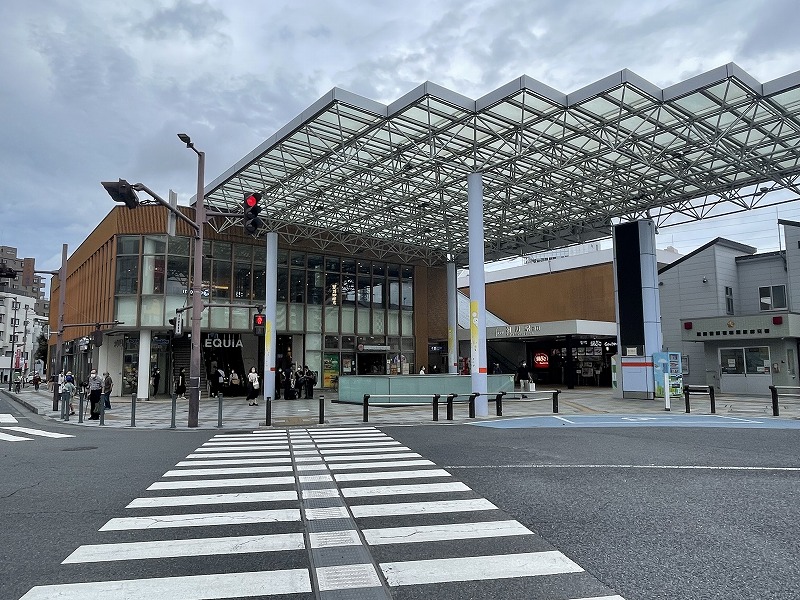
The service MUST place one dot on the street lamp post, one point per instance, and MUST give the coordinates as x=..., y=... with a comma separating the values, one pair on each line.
x=197, y=278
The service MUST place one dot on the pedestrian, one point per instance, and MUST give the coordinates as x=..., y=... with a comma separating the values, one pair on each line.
x=108, y=385
x=422, y=370
x=278, y=383
x=299, y=382
x=234, y=383
x=288, y=384
x=496, y=369
x=67, y=390
x=95, y=385
x=220, y=380
x=252, y=387
x=524, y=377
x=156, y=381
x=180, y=387
x=310, y=380
x=36, y=381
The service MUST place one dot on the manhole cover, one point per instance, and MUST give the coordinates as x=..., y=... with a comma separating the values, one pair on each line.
x=79, y=448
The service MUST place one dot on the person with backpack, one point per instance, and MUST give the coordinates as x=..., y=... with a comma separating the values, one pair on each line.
x=253, y=386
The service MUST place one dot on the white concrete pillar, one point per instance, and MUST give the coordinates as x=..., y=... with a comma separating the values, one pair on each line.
x=270, y=309
x=477, y=293
x=452, y=318
x=143, y=381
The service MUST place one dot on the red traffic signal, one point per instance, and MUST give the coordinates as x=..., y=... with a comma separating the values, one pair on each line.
x=250, y=220
x=259, y=324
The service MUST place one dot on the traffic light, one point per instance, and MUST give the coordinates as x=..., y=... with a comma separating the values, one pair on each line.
x=121, y=191
x=251, y=221
x=6, y=271
x=259, y=324
x=177, y=325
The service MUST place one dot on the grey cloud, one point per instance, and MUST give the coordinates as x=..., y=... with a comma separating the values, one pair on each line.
x=196, y=20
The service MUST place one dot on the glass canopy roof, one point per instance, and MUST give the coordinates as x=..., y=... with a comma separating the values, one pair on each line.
x=558, y=169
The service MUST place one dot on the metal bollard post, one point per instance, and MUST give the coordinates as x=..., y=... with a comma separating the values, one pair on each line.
x=498, y=402
x=436, y=407
x=450, y=406
x=686, y=398
x=102, y=411
x=133, y=409
x=365, y=417
x=472, y=397
x=174, y=409
x=555, y=401
x=322, y=410
x=268, y=419
x=219, y=409
x=80, y=407
x=713, y=400
x=774, y=392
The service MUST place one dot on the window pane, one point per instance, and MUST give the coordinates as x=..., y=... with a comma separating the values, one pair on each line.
x=283, y=284
x=332, y=263
x=364, y=321
x=393, y=322
x=314, y=318
x=332, y=341
x=152, y=275
x=128, y=244
x=756, y=359
x=348, y=266
x=332, y=289
x=222, y=250
x=222, y=279
x=316, y=285
x=177, y=276
x=764, y=298
x=243, y=252
x=179, y=246
x=778, y=296
x=127, y=275
x=348, y=342
x=408, y=322
x=155, y=244
x=313, y=342
x=219, y=317
x=364, y=267
x=298, y=259
x=296, y=320
x=378, y=322
x=348, y=295
x=259, y=255
x=364, y=291
x=731, y=361
x=283, y=257
x=125, y=311
x=348, y=319
x=280, y=317
x=331, y=319
x=241, y=281
x=259, y=283
x=152, y=310
x=240, y=318
x=297, y=286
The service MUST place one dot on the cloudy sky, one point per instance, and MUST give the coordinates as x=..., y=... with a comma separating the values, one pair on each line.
x=97, y=89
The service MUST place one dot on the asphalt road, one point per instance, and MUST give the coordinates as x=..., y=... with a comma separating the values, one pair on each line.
x=649, y=533
x=650, y=512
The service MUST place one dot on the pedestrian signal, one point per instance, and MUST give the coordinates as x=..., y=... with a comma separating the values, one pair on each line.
x=259, y=324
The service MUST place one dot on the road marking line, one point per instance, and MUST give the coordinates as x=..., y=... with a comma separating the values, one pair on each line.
x=668, y=467
x=7, y=437
x=328, y=451
x=476, y=568
x=352, y=457
x=213, y=483
x=236, y=454
x=203, y=519
x=234, y=461
x=230, y=471
x=250, y=436
x=235, y=498
x=213, y=444
x=29, y=431
x=396, y=490
x=391, y=475
x=7, y=418
x=437, y=533
x=192, y=587
x=421, y=508
x=402, y=463
x=355, y=445
x=191, y=547
x=739, y=419
x=278, y=451
x=565, y=420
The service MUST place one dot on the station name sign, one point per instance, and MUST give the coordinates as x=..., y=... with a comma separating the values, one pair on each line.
x=517, y=330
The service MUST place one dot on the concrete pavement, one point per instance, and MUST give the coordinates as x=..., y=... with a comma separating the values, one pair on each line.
x=236, y=414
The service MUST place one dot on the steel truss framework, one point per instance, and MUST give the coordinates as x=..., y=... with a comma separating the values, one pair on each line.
x=557, y=169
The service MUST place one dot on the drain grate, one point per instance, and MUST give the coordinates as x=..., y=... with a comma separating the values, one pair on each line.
x=78, y=448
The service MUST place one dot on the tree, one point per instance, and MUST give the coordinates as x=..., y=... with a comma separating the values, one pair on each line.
x=41, y=348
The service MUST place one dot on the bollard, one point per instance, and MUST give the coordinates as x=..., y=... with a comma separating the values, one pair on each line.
x=498, y=401
x=686, y=398
x=219, y=409
x=774, y=392
x=268, y=419
x=713, y=400
x=450, y=406
x=102, y=411
x=555, y=401
x=133, y=409
x=436, y=407
x=472, y=397
x=174, y=409
x=322, y=410
x=365, y=417
x=80, y=407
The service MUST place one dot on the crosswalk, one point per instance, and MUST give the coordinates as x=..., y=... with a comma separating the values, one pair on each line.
x=324, y=513
x=26, y=432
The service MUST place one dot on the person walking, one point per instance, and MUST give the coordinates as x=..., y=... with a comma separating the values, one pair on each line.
x=524, y=377
x=108, y=385
x=310, y=380
x=156, y=381
x=95, y=385
x=252, y=387
x=67, y=390
x=299, y=382
x=180, y=386
x=36, y=381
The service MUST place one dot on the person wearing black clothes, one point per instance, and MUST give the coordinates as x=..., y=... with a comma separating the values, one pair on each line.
x=299, y=382
x=524, y=377
x=180, y=387
x=156, y=381
x=95, y=385
x=308, y=377
x=278, y=383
